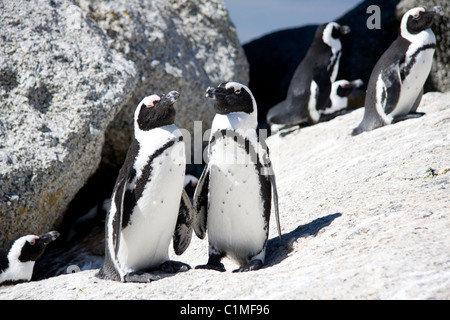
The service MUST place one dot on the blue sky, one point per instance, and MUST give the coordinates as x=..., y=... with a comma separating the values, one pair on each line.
x=254, y=18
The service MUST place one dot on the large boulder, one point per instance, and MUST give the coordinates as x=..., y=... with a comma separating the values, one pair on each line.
x=71, y=75
x=440, y=72
x=178, y=45
x=60, y=87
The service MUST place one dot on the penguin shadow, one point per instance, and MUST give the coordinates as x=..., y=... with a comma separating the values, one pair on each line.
x=289, y=129
x=278, y=250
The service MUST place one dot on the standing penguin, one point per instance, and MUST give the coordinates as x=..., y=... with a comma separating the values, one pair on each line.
x=395, y=86
x=310, y=87
x=17, y=258
x=233, y=196
x=149, y=206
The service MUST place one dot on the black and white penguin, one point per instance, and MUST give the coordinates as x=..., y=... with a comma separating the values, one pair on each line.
x=396, y=84
x=233, y=197
x=149, y=206
x=17, y=258
x=309, y=91
x=340, y=90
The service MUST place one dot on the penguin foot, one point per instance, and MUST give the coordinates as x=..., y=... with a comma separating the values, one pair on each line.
x=218, y=267
x=412, y=115
x=142, y=277
x=251, y=266
x=174, y=267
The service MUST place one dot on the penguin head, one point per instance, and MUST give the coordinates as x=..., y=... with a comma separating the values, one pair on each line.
x=417, y=20
x=232, y=97
x=31, y=247
x=156, y=111
x=331, y=33
x=344, y=87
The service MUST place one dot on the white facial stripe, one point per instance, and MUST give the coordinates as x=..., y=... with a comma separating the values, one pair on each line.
x=417, y=11
x=327, y=37
x=150, y=100
x=403, y=28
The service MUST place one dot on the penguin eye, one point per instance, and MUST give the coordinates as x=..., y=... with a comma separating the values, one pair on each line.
x=238, y=91
x=32, y=242
x=416, y=14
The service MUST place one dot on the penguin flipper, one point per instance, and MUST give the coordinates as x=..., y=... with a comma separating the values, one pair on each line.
x=391, y=77
x=201, y=204
x=183, y=229
x=122, y=187
x=275, y=202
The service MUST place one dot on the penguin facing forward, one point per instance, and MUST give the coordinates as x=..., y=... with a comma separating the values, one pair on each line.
x=395, y=86
x=309, y=90
x=18, y=257
x=232, y=201
x=149, y=206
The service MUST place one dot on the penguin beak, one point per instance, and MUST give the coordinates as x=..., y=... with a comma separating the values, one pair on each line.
x=357, y=83
x=211, y=93
x=170, y=98
x=436, y=10
x=48, y=237
x=345, y=29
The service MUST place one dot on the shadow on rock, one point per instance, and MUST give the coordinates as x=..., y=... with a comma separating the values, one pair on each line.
x=278, y=250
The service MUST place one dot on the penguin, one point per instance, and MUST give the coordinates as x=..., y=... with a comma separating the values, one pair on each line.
x=232, y=201
x=395, y=86
x=149, y=206
x=340, y=90
x=18, y=257
x=309, y=90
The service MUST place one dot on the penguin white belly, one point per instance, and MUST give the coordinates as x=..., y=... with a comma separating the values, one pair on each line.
x=235, y=216
x=145, y=241
x=413, y=83
x=18, y=271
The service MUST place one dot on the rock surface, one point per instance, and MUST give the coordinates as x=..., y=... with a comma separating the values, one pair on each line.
x=363, y=217
x=60, y=87
x=181, y=45
x=71, y=75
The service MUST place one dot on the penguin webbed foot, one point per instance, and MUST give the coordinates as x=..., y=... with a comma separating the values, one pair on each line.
x=213, y=263
x=141, y=277
x=217, y=267
x=166, y=269
x=171, y=266
x=412, y=115
x=251, y=266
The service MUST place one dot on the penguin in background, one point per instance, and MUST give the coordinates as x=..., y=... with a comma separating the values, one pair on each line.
x=232, y=201
x=149, y=206
x=395, y=86
x=18, y=257
x=340, y=90
x=309, y=90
